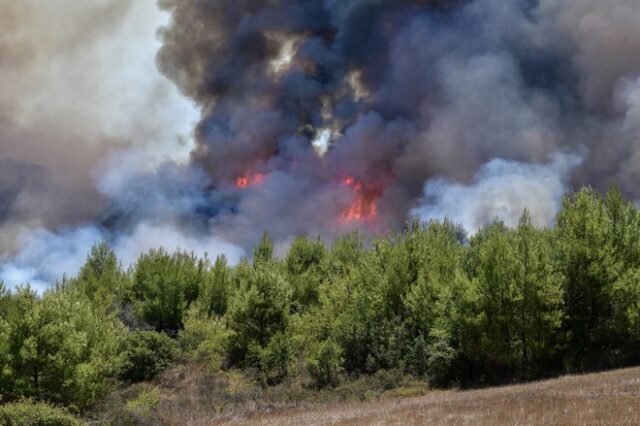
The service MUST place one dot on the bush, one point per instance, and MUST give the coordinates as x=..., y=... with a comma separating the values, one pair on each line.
x=276, y=358
x=30, y=413
x=324, y=364
x=205, y=340
x=146, y=402
x=145, y=355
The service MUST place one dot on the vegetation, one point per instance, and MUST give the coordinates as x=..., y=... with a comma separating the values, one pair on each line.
x=29, y=413
x=507, y=304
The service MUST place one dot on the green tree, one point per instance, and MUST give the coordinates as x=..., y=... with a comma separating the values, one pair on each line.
x=258, y=311
x=101, y=278
x=305, y=270
x=346, y=253
x=435, y=259
x=5, y=354
x=206, y=339
x=263, y=252
x=164, y=286
x=539, y=297
x=276, y=358
x=518, y=310
x=145, y=354
x=595, y=246
x=370, y=337
x=61, y=348
x=324, y=363
x=217, y=289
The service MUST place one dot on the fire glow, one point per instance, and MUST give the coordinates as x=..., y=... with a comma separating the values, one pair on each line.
x=249, y=179
x=365, y=206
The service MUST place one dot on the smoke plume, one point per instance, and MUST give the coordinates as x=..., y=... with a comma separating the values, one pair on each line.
x=313, y=116
x=501, y=190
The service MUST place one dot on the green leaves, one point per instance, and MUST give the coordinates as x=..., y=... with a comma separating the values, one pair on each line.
x=164, y=286
x=59, y=347
x=145, y=354
x=259, y=311
x=597, y=250
x=324, y=363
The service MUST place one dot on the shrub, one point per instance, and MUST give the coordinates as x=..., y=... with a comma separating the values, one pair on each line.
x=145, y=355
x=30, y=413
x=146, y=402
x=324, y=364
x=206, y=340
x=276, y=358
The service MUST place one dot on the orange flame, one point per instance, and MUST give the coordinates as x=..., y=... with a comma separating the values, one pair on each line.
x=365, y=207
x=249, y=179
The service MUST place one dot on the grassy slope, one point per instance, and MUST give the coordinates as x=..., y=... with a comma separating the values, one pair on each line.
x=192, y=397
x=611, y=398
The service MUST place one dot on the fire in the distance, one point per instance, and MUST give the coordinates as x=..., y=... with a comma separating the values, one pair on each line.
x=249, y=179
x=365, y=206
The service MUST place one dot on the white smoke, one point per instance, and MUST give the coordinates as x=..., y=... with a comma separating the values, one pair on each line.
x=82, y=97
x=501, y=190
x=46, y=257
x=80, y=91
x=147, y=236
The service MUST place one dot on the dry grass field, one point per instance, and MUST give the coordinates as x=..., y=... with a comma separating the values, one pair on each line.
x=611, y=398
x=189, y=396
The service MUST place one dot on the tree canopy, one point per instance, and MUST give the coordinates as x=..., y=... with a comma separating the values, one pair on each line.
x=504, y=304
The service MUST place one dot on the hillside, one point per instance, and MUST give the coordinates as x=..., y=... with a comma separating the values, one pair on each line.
x=611, y=398
x=188, y=397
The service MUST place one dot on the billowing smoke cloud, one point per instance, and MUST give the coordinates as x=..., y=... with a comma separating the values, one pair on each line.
x=78, y=82
x=87, y=126
x=314, y=116
x=501, y=190
x=409, y=90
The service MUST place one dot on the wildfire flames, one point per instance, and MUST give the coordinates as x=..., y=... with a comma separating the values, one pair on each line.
x=365, y=206
x=249, y=179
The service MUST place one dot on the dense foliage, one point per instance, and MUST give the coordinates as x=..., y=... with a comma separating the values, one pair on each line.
x=506, y=304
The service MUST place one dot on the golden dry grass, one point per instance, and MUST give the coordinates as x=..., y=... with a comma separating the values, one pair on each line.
x=611, y=398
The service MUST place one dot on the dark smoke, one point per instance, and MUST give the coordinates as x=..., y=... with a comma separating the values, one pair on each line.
x=411, y=90
x=473, y=109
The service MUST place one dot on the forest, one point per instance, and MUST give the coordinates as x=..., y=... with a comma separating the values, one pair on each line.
x=505, y=305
